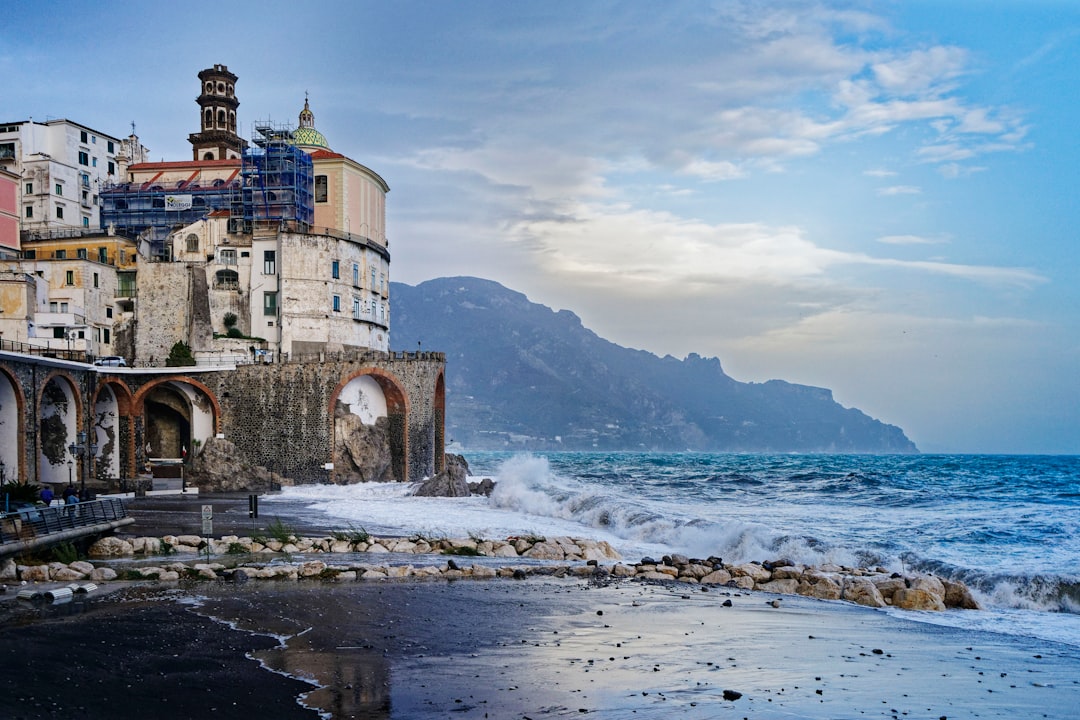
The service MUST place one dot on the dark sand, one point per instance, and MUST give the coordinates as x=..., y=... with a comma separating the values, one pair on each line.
x=538, y=648
x=511, y=649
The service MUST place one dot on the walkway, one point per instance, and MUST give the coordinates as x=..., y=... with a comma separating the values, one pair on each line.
x=39, y=527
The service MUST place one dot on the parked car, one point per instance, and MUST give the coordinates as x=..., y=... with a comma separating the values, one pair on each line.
x=111, y=361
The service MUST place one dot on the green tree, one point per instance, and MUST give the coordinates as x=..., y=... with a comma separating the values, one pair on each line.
x=180, y=355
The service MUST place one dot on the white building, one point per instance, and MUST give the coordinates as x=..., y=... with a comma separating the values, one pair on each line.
x=62, y=166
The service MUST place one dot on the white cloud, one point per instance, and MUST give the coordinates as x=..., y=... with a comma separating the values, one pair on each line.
x=880, y=173
x=910, y=240
x=899, y=190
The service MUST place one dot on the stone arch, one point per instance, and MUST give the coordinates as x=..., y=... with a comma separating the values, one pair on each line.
x=12, y=430
x=368, y=410
x=176, y=413
x=59, y=413
x=112, y=429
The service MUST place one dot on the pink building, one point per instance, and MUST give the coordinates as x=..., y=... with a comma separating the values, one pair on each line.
x=9, y=213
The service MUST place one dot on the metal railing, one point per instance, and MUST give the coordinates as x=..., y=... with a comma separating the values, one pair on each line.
x=40, y=521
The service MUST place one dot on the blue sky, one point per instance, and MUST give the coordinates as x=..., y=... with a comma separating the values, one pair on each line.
x=878, y=198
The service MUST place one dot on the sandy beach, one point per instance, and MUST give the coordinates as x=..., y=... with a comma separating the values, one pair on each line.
x=534, y=648
x=509, y=649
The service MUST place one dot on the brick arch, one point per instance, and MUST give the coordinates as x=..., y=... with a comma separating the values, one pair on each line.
x=397, y=410
x=80, y=420
x=20, y=426
x=125, y=423
x=140, y=395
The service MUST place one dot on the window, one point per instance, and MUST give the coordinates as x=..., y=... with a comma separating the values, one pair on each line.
x=97, y=334
x=269, y=262
x=59, y=189
x=63, y=307
x=96, y=280
x=58, y=333
x=226, y=280
x=69, y=277
x=192, y=242
x=108, y=312
x=93, y=139
x=81, y=253
x=372, y=285
x=270, y=303
x=85, y=180
x=93, y=162
x=103, y=255
x=336, y=303
x=356, y=308
x=227, y=256
x=54, y=306
x=85, y=222
x=29, y=254
x=105, y=335
x=112, y=148
x=29, y=211
x=335, y=269
x=112, y=168
x=82, y=136
x=7, y=150
x=84, y=157
x=356, y=275
x=59, y=212
x=60, y=254
x=29, y=188
x=320, y=188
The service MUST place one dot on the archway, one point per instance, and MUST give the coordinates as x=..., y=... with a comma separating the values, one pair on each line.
x=58, y=413
x=11, y=432
x=178, y=415
x=440, y=423
x=370, y=430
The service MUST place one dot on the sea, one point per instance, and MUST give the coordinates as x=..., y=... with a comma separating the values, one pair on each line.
x=1006, y=525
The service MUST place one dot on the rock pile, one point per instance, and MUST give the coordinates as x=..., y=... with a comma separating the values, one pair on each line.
x=566, y=556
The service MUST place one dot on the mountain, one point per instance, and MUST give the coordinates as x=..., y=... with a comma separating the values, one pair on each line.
x=521, y=376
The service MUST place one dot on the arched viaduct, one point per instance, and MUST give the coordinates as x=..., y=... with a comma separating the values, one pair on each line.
x=280, y=416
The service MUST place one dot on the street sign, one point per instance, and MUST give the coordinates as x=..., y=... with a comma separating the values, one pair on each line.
x=207, y=512
x=207, y=527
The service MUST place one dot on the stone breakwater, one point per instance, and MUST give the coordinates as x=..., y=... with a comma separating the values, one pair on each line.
x=562, y=557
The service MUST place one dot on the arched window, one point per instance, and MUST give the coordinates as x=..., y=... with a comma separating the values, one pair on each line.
x=208, y=118
x=221, y=118
x=209, y=86
x=192, y=241
x=226, y=280
x=232, y=120
x=221, y=87
x=208, y=156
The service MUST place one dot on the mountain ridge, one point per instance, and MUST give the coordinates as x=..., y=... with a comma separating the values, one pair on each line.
x=523, y=376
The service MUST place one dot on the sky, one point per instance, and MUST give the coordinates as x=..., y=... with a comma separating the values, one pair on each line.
x=879, y=198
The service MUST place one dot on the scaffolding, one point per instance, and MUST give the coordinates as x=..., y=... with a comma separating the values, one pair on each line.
x=274, y=184
x=278, y=180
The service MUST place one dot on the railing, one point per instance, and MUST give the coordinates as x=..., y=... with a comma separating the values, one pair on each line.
x=41, y=521
x=58, y=354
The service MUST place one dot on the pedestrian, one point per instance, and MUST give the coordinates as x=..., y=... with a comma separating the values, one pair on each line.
x=47, y=495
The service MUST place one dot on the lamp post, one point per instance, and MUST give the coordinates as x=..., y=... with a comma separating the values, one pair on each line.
x=71, y=464
x=82, y=449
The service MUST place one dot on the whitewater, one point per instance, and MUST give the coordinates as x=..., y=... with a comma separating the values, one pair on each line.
x=1008, y=526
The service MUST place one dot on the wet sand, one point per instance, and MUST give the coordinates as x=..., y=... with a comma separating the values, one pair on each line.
x=513, y=649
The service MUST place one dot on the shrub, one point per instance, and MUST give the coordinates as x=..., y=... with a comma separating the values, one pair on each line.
x=279, y=531
x=65, y=553
x=234, y=332
x=352, y=535
x=180, y=355
x=230, y=320
x=236, y=548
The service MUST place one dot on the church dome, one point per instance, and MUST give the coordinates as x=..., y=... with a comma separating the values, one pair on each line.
x=306, y=136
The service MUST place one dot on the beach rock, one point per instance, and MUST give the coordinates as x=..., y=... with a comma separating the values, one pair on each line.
x=783, y=587
x=677, y=559
x=363, y=451
x=917, y=599
x=110, y=546
x=66, y=574
x=887, y=586
x=751, y=570
x=788, y=572
x=169, y=576
x=620, y=570
x=545, y=551
x=743, y=583
x=717, y=577
x=346, y=576
x=451, y=482
x=34, y=573
x=312, y=568
x=484, y=487
x=482, y=573
x=102, y=574
x=929, y=583
x=862, y=591
x=220, y=467
x=503, y=549
x=818, y=585
x=958, y=595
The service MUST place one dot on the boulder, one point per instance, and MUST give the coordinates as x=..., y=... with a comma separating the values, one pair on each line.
x=451, y=482
x=862, y=591
x=916, y=599
x=110, y=546
x=717, y=577
x=82, y=566
x=8, y=569
x=545, y=551
x=363, y=451
x=751, y=570
x=484, y=487
x=102, y=574
x=786, y=586
x=958, y=595
x=34, y=573
x=219, y=467
x=67, y=574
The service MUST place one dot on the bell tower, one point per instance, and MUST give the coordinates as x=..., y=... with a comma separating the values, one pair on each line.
x=217, y=117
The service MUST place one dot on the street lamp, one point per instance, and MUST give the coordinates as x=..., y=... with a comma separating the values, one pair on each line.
x=82, y=449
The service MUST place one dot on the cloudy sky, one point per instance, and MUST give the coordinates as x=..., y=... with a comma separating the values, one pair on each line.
x=880, y=198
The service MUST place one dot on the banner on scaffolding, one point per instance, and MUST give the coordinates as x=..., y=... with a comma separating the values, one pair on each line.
x=177, y=202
